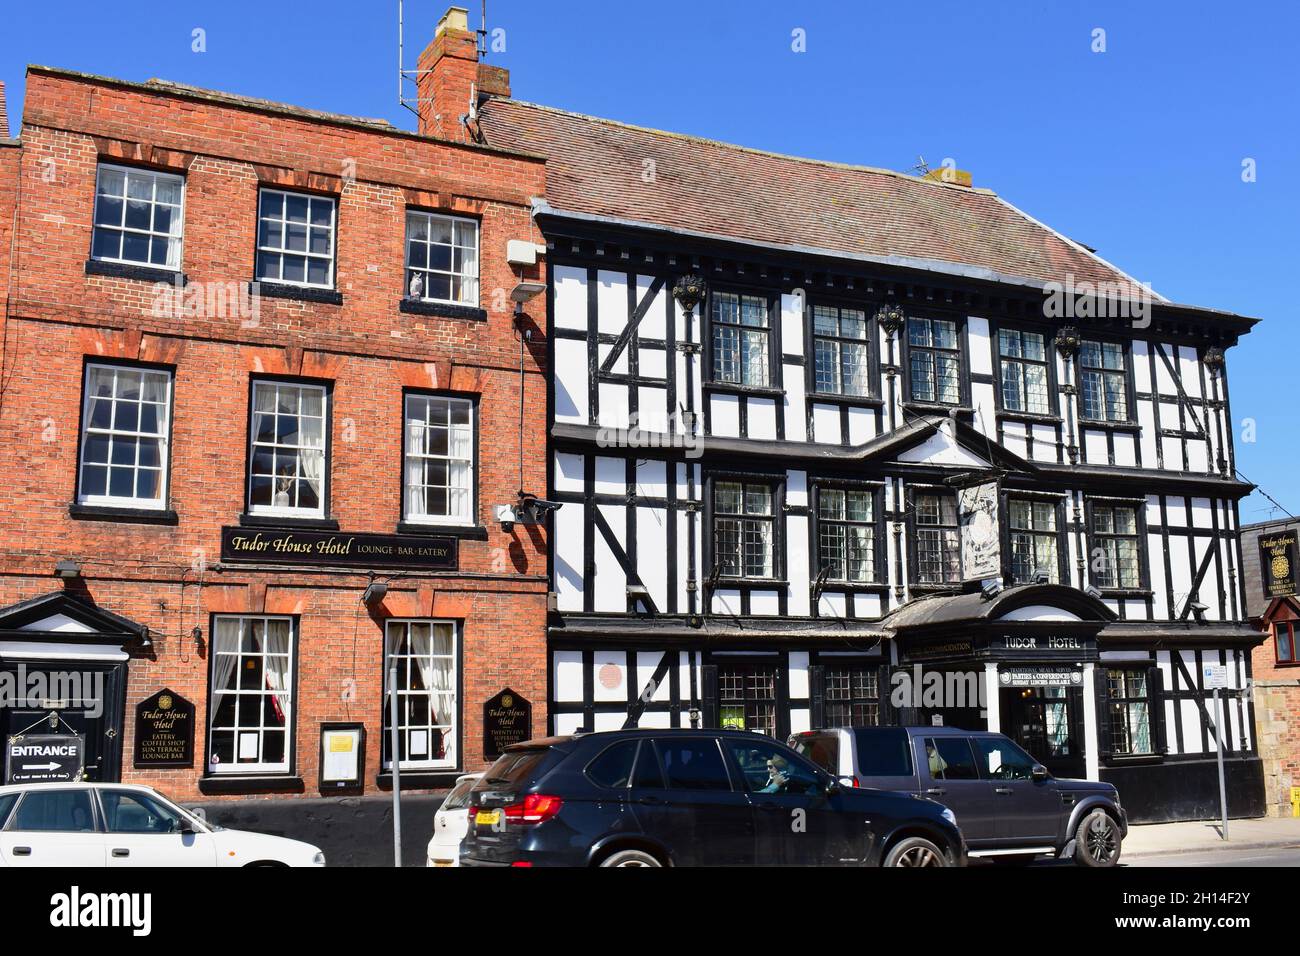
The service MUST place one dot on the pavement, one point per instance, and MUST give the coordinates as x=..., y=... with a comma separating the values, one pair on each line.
x=1164, y=839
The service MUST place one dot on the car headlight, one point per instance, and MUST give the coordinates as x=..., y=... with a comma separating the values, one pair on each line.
x=949, y=816
x=318, y=859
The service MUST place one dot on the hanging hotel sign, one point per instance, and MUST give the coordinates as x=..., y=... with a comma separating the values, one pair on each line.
x=507, y=719
x=164, y=731
x=1277, y=562
x=981, y=541
x=1040, y=676
x=333, y=548
x=44, y=758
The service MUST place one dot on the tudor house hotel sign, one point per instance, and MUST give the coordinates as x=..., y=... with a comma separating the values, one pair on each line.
x=333, y=549
x=1277, y=563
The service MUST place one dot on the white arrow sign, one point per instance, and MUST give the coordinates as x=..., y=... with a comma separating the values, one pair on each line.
x=42, y=766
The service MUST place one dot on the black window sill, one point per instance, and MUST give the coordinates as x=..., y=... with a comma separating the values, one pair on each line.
x=238, y=783
x=758, y=584
x=123, y=515
x=121, y=270
x=445, y=310
x=832, y=398
x=420, y=779
x=853, y=587
x=1125, y=592
x=1133, y=427
x=281, y=521
x=1031, y=417
x=937, y=408
x=275, y=290
x=1131, y=760
x=757, y=391
x=476, y=532
x=917, y=588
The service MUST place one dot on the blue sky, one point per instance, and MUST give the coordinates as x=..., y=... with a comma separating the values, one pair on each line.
x=1136, y=151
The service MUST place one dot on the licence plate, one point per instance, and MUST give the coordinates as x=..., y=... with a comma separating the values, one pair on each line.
x=442, y=863
x=487, y=818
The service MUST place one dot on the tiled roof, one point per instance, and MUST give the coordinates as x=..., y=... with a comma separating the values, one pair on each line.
x=600, y=167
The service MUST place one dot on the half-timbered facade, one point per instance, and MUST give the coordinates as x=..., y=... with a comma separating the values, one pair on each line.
x=836, y=446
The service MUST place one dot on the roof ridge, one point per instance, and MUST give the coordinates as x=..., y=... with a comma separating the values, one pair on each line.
x=691, y=138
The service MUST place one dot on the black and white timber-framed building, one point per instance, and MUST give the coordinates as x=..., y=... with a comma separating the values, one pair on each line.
x=819, y=431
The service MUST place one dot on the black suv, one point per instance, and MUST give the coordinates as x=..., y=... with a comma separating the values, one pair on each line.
x=691, y=798
x=1009, y=807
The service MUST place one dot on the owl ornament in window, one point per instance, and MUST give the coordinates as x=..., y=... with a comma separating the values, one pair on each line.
x=417, y=286
x=283, y=486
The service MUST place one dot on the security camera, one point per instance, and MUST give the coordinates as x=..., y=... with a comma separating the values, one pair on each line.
x=506, y=515
x=533, y=509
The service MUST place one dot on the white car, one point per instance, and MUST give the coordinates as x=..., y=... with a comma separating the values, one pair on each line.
x=119, y=824
x=450, y=823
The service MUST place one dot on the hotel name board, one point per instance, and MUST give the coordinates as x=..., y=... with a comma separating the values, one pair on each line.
x=337, y=549
x=1277, y=562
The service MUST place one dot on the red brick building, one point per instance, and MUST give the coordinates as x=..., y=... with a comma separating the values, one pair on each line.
x=263, y=385
x=1270, y=553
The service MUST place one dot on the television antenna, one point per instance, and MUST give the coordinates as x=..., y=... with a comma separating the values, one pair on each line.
x=405, y=76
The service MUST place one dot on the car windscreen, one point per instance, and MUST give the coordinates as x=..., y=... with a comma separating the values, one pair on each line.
x=821, y=749
x=883, y=752
x=458, y=799
x=514, y=769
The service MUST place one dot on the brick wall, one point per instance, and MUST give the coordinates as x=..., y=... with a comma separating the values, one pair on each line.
x=168, y=577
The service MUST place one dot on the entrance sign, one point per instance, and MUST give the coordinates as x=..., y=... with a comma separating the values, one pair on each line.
x=981, y=548
x=164, y=731
x=1277, y=563
x=507, y=719
x=45, y=758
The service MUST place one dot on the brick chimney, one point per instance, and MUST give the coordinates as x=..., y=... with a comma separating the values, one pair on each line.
x=451, y=78
x=4, y=113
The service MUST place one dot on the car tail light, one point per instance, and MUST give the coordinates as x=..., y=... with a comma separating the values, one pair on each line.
x=857, y=782
x=522, y=863
x=536, y=808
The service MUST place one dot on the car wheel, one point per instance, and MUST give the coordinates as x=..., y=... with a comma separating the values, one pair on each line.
x=1097, y=841
x=630, y=858
x=916, y=851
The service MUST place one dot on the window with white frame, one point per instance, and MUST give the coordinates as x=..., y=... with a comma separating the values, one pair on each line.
x=125, y=416
x=1023, y=357
x=441, y=258
x=439, y=472
x=1115, y=560
x=295, y=239
x=424, y=654
x=938, y=540
x=251, y=701
x=846, y=534
x=1033, y=540
x=138, y=217
x=840, y=356
x=744, y=529
x=287, y=455
x=741, y=331
x=1103, y=381
x=935, y=360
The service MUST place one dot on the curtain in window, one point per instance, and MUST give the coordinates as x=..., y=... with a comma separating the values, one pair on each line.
x=416, y=502
x=225, y=644
x=277, y=666
x=311, y=458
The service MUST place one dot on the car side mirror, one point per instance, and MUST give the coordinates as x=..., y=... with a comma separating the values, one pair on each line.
x=1039, y=772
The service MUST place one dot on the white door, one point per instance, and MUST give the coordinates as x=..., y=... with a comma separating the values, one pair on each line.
x=144, y=831
x=52, y=827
